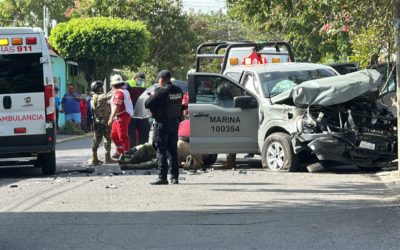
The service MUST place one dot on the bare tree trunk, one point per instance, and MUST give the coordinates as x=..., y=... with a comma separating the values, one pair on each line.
x=396, y=14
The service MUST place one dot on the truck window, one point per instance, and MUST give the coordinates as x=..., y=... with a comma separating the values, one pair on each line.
x=274, y=83
x=21, y=73
x=234, y=75
x=216, y=90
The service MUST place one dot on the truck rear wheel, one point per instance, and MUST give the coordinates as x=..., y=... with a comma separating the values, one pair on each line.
x=210, y=160
x=47, y=162
x=277, y=153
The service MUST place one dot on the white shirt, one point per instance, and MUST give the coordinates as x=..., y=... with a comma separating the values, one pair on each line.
x=127, y=102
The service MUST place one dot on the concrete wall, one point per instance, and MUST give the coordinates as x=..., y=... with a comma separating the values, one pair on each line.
x=60, y=75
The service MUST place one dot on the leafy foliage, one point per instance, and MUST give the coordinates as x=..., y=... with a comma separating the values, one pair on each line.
x=321, y=30
x=12, y=10
x=171, y=36
x=220, y=27
x=30, y=12
x=364, y=47
x=71, y=128
x=217, y=26
x=101, y=44
x=148, y=70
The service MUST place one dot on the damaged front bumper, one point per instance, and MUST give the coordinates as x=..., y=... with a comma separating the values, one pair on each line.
x=375, y=152
x=347, y=143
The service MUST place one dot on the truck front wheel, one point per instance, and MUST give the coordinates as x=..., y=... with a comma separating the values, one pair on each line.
x=277, y=153
x=47, y=162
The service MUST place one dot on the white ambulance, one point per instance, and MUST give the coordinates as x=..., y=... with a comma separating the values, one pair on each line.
x=27, y=110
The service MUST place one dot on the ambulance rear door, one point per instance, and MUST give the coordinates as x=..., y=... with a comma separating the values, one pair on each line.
x=23, y=72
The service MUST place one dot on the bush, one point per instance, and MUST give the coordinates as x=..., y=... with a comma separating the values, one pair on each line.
x=101, y=44
x=71, y=128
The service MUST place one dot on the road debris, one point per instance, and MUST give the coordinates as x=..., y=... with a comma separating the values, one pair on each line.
x=118, y=172
x=89, y=170
x=316, y=168
x=111, y=186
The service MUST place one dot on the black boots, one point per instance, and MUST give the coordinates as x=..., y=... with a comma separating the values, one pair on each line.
x=160, y=181
x=163, y=181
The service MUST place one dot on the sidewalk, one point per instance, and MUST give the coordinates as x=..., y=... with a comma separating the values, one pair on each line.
x=63, y=138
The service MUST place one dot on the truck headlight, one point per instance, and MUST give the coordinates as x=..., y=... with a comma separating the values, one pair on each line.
x=307, y=124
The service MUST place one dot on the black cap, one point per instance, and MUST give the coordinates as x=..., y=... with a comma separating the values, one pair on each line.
x=164, y=74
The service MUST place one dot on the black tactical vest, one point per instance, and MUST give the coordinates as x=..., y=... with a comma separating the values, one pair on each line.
x=172, y=107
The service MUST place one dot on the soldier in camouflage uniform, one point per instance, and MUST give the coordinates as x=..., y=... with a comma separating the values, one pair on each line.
x=142, y=157
x=101, y=111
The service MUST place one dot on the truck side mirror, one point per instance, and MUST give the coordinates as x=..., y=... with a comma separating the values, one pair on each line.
x=245, y=102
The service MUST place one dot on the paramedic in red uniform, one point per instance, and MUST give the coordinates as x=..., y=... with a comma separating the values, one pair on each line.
x=121, y=113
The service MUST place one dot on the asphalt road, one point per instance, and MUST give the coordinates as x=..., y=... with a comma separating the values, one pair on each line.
x=247, y=208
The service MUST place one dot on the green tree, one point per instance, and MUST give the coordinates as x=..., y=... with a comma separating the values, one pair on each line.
x=30, y=12
x=14, y=12
x=218, y=26
x=171, y=36
x=101, y=44
x=319, y=30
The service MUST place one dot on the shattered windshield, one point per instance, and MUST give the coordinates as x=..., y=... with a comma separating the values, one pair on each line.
x=274, y=83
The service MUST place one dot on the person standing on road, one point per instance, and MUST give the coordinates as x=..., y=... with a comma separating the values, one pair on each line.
x=71, y=105
x=89, y=120
x=121, y=113
x=57, y=103
x=101, y=111
x=165, y=105
x=139, y=128
x=84, y=109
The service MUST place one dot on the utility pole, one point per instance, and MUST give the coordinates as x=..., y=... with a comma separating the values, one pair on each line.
x=396, y=25
x=46, y=21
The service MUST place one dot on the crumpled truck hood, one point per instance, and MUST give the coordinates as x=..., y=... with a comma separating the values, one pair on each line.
x=331, y=90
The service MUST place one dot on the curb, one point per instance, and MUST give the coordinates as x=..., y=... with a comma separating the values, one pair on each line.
x=392, y=181
x=74, y=137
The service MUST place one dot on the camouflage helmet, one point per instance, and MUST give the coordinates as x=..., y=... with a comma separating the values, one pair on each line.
x=95, y=85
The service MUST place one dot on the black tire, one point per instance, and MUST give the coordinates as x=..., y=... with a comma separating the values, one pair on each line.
x=276, y=144
x=47, y=162
x=210, y=160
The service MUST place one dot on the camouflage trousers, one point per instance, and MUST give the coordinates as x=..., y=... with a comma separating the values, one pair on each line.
x=144, y=157
x=184, y=151
x=100, y=131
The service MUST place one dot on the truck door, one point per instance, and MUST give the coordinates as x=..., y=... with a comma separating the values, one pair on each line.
x=223, y=116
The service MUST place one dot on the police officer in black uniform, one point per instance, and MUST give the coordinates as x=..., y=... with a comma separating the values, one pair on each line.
x=165, y=105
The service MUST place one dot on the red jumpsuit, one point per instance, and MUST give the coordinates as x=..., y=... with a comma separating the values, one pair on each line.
x=119, y=129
